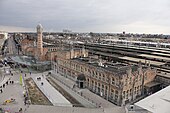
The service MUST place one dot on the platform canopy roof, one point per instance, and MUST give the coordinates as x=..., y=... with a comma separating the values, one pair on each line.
x=158, y=102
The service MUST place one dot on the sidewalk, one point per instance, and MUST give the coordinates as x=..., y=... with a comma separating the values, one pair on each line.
x=16, y=91
x=84, y=101
x=50, y=92
x=88, y=95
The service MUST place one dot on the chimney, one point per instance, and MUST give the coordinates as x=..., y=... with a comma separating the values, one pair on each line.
x=149, y=63
x=140, y=63
x=83, y=51
x=72, y=53
x=100, y=63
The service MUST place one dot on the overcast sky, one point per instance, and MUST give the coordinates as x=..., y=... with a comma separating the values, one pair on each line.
x=134, y=16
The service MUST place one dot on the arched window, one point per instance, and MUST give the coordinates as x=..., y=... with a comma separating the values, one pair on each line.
x=99, y=76
x=130, y=80
x=123, y=94
x=116, y=92
x=92, y=83
x=113, y=80
x=103, y=77
x=127, y=94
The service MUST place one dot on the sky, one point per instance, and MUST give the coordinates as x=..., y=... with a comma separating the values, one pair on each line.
x=115, y=16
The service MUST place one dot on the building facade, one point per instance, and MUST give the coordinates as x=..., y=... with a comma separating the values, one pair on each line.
x=36, y=47
x=116, y=82
x=163, y=78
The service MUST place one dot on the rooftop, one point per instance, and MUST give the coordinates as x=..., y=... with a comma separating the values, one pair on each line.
x=162, y=74
x=158, y=102
x=116, y=68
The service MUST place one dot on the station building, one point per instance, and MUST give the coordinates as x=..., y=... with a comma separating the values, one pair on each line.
x=116, y=82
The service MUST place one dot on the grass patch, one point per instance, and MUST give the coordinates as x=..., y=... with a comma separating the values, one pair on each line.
x=35, y=94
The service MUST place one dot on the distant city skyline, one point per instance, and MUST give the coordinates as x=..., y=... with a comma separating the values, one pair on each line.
x=115, y=16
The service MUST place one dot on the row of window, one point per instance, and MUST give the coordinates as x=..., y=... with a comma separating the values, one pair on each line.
x=128, y=93
x=87, y=71
x=93, y=73
x=130, y=80
x=115, y=81
x=103, y=90
x=69, y=73
x=52, y=49
x=98, y=87
x=101, y=76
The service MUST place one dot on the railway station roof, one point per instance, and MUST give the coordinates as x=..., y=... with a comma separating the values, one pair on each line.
x=162, y=74
x=157, y=53
x=142, y=60
x=116, y=68
x=154, y=56
x=158, y=102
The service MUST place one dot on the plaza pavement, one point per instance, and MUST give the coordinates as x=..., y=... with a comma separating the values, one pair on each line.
x=107, y=106
x=84, y=101
x=85, y=92
x=16, y=91
x=88, y=99
x=52, y=109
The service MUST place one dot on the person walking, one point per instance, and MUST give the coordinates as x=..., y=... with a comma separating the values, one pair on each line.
x=1, y=91
x=3, y=85
x=25, y=101
x=20, y=110
x=73, y=86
